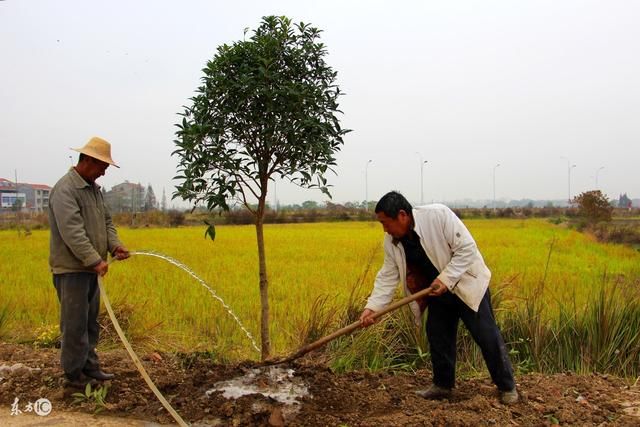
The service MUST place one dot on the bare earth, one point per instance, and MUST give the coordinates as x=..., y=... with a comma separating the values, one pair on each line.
x=354, y=399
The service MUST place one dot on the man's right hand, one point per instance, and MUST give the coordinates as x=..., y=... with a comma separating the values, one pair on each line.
x=366, y=318
x=101, y=268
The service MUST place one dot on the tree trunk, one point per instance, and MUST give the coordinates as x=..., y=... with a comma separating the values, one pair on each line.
x=264, y=283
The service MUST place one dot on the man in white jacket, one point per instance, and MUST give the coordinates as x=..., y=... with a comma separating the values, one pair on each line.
x=430, y=247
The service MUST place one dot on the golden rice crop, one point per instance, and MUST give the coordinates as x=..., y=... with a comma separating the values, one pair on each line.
x=168, y=309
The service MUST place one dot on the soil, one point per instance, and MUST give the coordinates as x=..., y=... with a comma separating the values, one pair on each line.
x=352, y=399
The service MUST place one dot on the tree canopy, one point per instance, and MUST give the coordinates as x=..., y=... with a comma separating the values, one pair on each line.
x=593, y=206
x=266, y=107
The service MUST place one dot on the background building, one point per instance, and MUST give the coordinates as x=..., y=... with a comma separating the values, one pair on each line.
x=126, y=197
x=25, y=197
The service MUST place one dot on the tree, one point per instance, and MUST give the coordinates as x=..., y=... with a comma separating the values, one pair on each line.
x=150, y=202
x=593, y=206
x=309, y=204
x=624, y=201
x=266, y=109
x=163, y=203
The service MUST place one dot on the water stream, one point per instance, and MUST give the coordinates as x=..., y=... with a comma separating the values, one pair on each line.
x=204, y=284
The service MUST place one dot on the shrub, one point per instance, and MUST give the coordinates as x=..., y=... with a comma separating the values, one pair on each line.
x=176, y=218
x=593, y=206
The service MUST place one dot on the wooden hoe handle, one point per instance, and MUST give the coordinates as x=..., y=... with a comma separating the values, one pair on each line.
x=353, y=326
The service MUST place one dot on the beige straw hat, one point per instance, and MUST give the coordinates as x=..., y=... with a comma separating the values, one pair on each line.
x=99, y=149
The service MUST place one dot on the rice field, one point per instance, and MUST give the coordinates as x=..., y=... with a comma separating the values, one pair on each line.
x=161, y=306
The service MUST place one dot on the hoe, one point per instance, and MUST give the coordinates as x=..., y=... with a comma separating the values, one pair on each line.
x=347, y=329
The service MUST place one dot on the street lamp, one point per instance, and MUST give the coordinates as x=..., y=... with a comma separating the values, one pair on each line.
x=494, y=185
x=598, y=170
x=422, y=163
x=569, y=167
x=275, y=196
x=366, y=184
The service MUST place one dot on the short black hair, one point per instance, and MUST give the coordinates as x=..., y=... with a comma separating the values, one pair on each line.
x=86, y=157
x=392, y=203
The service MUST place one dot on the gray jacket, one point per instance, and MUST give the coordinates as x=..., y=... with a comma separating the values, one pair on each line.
x=82, y=232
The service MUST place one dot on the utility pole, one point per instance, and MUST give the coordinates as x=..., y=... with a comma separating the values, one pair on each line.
x=494, y=186
x=133, y=203
x=16, y=204
x=422, y=163
x=275, y=197
x=569, y=167
x=597, y=171
x=366, y=185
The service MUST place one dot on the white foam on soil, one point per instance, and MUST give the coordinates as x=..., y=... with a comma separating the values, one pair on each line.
x=277, y=383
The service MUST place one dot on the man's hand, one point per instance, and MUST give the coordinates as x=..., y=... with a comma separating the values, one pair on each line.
x=101, y=268
x=437, y=288
x=121, y=253
x=366, y=319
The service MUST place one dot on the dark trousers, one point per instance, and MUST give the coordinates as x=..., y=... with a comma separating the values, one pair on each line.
x=79, y=298
x=443, y=317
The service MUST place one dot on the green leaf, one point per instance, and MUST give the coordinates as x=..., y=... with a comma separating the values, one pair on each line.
x=210, y=231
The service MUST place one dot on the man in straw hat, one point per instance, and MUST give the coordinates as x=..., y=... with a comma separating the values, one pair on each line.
x=81, y=235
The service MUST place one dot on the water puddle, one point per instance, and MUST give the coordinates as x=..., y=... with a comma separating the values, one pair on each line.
x=277, y=383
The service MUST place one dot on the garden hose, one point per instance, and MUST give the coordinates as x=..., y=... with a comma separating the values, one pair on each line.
x=135, y=359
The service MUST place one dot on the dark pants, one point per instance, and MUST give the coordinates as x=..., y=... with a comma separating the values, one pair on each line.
x=442, y=327
x=79, y=298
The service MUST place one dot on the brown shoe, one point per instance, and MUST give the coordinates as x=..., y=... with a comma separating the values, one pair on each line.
x=435, y=392
x=509, y=397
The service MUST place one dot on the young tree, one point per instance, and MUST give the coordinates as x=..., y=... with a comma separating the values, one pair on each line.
x=267, y=108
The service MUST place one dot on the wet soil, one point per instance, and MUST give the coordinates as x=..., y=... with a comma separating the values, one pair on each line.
x=353, y=399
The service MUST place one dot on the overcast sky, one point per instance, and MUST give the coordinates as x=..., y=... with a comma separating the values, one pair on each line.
x=464, y=85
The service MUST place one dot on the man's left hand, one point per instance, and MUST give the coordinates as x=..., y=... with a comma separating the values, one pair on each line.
x=121, y=253
x=437, y=288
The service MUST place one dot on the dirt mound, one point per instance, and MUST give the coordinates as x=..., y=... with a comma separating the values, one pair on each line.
x=353, y=399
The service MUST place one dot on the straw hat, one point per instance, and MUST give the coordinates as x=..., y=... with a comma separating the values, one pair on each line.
x=99, y=149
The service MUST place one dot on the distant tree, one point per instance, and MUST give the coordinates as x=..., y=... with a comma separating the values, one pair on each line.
x=309, y=204
x=593, y=206
x=267, y=108
x=150, y=202
x=163, y=204
x=624, y=201
x=331, y=207
x=17, y=204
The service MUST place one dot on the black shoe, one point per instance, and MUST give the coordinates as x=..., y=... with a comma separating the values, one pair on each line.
x=509, y=397
x=435, y=393
x=79, y=382
x=98, y=374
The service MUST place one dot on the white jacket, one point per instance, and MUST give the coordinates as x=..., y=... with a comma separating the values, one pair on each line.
x=450, y=248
